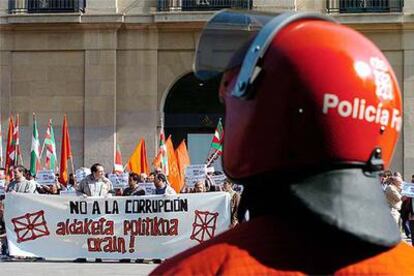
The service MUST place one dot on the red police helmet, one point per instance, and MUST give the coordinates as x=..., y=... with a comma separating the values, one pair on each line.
x=305, y=94
x=317, y=94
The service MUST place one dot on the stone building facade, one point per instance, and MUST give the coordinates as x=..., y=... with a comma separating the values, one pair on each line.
x=111, y=64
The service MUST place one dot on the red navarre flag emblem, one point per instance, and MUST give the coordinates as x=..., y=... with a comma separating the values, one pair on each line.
x=30, y=226
x=204, y=226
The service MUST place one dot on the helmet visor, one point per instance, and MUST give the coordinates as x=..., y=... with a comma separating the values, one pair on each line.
x=225, y=39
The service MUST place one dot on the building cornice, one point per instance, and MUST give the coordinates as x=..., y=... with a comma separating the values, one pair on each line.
x=377, y=21
x=178, y=20
x=61, y=27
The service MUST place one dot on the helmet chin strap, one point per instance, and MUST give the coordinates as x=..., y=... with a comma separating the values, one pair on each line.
x=375, y=162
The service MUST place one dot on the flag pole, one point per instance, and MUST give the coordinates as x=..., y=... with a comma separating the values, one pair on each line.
x=161, y=129
x=18, y=153
x=73, y=168
x=212, y=158
x=43, y=146
x=71, y=157
x=20, y=148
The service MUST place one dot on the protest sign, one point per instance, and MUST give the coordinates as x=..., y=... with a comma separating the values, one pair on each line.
x=407, y=189
x=195, y=170
x=218, y=179
x=119, y=181
x=155, y=226
x=2, y=186
x=81, y=174
x=195, y=173
x=46, y=177
x=148, y=187
x=210, y=170
x=191, y=181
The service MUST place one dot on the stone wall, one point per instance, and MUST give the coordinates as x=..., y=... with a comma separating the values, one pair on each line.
x=136, y=102
x=112, y=76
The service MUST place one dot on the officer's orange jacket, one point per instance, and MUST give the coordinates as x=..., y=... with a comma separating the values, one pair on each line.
x=268, y=246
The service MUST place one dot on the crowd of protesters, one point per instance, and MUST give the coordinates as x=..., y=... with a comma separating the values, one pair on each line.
x=97, y=184
x=401, y=207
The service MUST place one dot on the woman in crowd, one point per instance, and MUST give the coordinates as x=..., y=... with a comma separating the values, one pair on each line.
x=394, y=197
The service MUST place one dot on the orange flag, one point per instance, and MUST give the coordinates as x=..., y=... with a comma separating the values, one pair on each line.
x=65, y=152
x=157, y=160
x=183, y=160
x=174, y=176
x=138, y=163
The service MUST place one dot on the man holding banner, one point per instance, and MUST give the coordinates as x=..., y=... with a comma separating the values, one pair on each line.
x=161, y=185
x=133, y=189
x=2, y=181
x=20, y=184
x=95, y=184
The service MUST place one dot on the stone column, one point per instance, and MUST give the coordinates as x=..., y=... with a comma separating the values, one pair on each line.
x=18, y=6
x=101, y=6
x=310, y=5
x=408, y=123
x=5, y=89
x=5, y=79
x=175, y=5
x=274, y=5
x=4, y=7
x=137, y=6
x=408, y=7
x=137, y=108
x=396, y=59
x=100, y=97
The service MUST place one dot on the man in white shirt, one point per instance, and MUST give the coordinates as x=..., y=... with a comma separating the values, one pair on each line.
x=20, y=184
x=95, y=184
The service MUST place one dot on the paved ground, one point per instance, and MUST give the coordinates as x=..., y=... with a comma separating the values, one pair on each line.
x=73, y=269
x=58, y=268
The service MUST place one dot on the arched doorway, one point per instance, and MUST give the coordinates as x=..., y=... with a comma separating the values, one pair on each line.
x=191, y=112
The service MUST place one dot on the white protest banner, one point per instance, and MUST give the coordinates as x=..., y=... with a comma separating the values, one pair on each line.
x=119, y=181
x=112, y=228
x=407, y=189
x=2, y=186
x=46, y=177
x=148, y=187
x=82, y=173
x=69, y=193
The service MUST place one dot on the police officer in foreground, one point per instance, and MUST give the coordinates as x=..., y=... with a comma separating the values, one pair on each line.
x=313, y=114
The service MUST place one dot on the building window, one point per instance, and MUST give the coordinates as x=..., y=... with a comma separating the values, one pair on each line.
x=364, y=6
x=202, y=5
x=46, y=6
